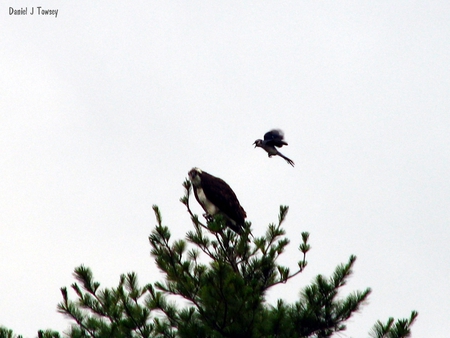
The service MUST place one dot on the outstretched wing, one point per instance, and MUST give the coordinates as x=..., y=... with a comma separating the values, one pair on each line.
x=223, y=197
x=275, y=137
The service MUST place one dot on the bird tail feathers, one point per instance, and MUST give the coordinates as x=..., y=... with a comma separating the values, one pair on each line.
x=288, y=160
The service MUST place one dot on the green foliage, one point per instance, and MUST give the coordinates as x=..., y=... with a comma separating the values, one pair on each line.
x=399, y=329
x=7, y=333
x=227, y=287
x=116, y=312
x=222, y=279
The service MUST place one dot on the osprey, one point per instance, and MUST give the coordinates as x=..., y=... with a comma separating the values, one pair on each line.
x=216, y=197
x=272, y=139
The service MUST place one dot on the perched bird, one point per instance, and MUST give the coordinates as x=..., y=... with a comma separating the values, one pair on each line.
x=272, y=139
x=216, y=197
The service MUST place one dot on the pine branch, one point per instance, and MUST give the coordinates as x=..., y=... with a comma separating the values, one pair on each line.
x=7, y=333
x=47, y=334
x=399, y=329
x=185, y=200
x=69, y=309
x=319, y=312
x=179, y=280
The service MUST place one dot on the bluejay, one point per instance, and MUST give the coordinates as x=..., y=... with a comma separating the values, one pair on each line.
x=273, y=139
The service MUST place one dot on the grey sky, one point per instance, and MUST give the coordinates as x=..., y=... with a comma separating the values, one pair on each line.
x=108, y=106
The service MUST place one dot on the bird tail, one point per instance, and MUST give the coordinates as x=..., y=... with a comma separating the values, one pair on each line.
x=288, y=160
x=235, y=227
x=239, y=229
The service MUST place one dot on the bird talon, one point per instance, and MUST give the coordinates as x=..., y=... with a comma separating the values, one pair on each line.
x=208, y=217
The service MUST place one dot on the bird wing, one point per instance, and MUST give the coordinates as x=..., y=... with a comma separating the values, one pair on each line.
x=275, y=137
x=223, y=197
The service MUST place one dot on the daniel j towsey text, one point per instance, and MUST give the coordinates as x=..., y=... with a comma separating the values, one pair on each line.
x=39, y=10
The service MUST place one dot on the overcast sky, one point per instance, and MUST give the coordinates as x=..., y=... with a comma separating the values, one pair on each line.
x=106, y=107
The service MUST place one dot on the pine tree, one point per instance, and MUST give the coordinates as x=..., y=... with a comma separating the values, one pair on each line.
x=224, y=277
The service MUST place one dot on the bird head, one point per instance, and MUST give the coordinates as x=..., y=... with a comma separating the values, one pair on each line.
x=258, y=143
x=194, y=176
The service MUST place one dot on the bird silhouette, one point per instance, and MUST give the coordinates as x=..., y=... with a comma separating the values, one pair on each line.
x=272, y=140
x=216, y=197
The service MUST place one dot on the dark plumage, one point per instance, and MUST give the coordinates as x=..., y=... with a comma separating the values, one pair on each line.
x=216, y=197
x=273, y=139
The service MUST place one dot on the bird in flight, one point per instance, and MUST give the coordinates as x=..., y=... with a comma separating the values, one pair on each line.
x=216, y=197
x=272, y=140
